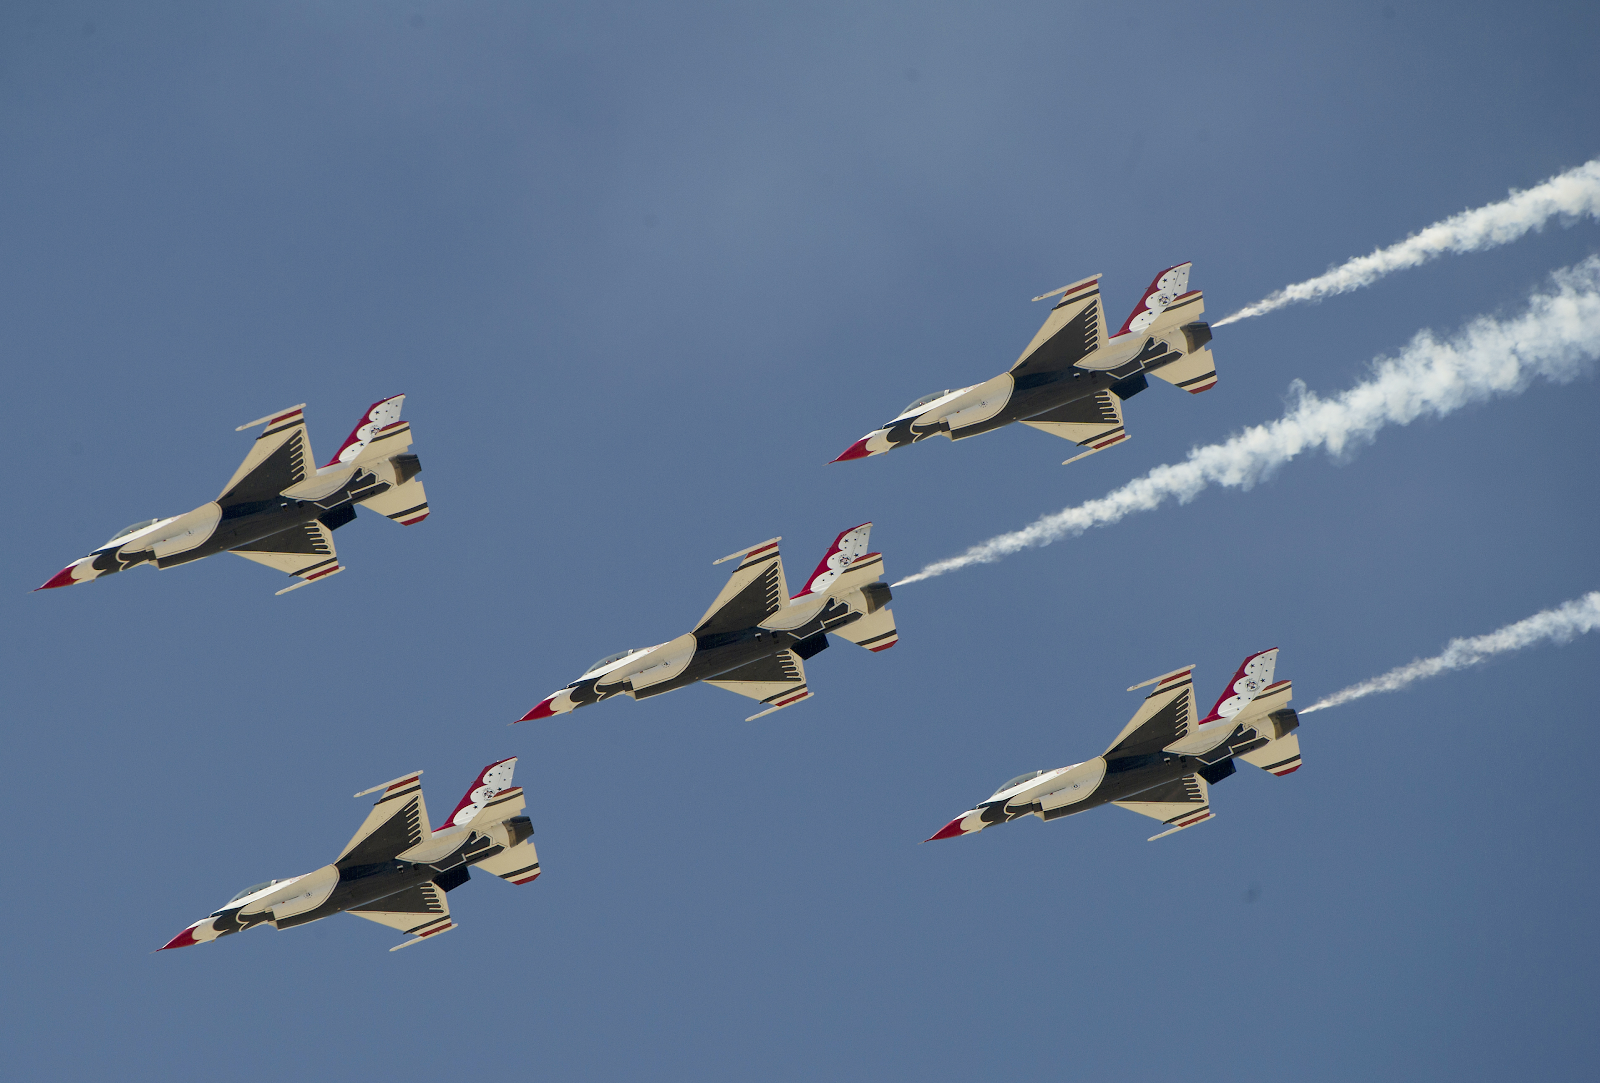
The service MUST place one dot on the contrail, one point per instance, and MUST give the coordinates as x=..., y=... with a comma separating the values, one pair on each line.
x=1559, y=625
x=1572, y=194
x=1554, y=338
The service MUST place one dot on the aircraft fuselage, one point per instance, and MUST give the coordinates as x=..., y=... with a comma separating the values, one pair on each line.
x=221, y=527
x=356, y=885
x=720, y=652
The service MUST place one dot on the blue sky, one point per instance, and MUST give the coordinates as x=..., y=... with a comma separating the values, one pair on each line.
x=641, y=271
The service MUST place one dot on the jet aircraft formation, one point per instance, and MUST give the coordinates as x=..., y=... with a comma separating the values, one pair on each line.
x=280, y=510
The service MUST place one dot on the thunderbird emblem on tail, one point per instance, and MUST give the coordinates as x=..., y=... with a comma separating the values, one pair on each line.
x=279, y=509
x=754, y=639
x=1162, y=763
x=395, y=871
x=1073, y=378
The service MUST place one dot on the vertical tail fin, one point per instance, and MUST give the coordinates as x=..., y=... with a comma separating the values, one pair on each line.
x=380, y=415
x=490, y=782
x=849, y=545
x=1164, y=289
x=1253, y=675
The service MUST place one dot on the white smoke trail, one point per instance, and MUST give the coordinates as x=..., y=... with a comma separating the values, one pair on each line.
x=1553, y=339
x=1559, y=625
x=1568, y=195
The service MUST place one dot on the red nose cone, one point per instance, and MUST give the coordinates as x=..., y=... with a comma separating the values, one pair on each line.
x=63, y=578
x=544, y=710
x=950, y=830
x=857, y=450
x=182, y=940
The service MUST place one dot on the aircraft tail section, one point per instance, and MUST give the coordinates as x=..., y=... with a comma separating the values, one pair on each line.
x=859, y=587
x=1273, y=719
x=1169, y=316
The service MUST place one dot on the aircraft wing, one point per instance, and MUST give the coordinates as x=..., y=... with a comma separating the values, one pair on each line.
x=305, y=551
x=419, y=912
x=1095, y=422
x=1178, y=804
x=754, y=592
x=276, y=460
x=1165, y=716
x=776, y=682
x=1075, y=328
x=397, y=822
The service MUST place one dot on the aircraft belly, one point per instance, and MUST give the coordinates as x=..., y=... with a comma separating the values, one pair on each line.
x=242, y=530
x=1119, y=785
x=1052, y=396
x=351, y=893
x=713, y=662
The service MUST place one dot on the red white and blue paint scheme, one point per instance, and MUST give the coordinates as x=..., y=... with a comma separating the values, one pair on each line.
x=279, y=508
x=396, y=870
x=1164, y=761
x=1072, y=379
x=755, y=638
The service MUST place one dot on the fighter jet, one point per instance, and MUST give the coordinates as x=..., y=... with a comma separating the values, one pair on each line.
x=754, y=639
x=274, y=510
x=1072, y=379
x=1163, y=762
x=395, y=871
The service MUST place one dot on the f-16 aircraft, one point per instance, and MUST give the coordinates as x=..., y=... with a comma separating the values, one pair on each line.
x=274, y=510
x=1073, y=378
x=395, y=871
x=1163, y=762
x=755, y=639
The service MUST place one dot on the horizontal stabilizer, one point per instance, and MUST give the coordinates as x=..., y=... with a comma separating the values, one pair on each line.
x=406, y=504
x=518, y=865
x=1279, y=757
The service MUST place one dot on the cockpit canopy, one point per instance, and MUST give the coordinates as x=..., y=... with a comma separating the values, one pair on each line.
x=133, y=529
x=1019, y=780
x=608, y=659
x=253, y=888
x=924, y=400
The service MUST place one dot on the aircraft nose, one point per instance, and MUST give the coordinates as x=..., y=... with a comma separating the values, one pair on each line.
x=64, y=578
x=545, y=709
x=183, y=939
x=857, y=450
x=951, y=830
